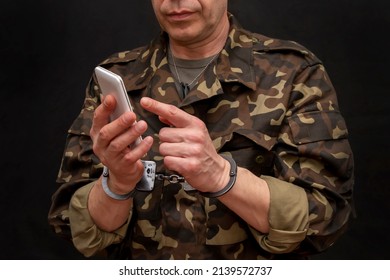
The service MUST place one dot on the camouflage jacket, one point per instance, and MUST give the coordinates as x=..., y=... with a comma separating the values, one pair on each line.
x=269, y=104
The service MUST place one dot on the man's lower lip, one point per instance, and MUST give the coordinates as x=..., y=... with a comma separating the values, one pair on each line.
x=179, y=17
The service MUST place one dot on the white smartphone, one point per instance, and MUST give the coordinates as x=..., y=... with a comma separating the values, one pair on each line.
x=112, y=84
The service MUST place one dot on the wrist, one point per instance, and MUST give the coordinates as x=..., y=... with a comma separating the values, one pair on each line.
x=114, y=193
x=227, y=184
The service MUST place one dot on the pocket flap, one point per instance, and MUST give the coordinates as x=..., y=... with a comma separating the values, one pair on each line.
x=317, y=126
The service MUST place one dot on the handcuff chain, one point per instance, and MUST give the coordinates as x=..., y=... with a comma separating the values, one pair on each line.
x=173, y=179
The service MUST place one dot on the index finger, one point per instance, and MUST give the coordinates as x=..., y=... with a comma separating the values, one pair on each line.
x=170, y=113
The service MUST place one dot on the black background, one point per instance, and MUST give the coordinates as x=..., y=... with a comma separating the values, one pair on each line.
x=48, y=50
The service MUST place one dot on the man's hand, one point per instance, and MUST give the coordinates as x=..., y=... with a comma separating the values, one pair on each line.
x=111, y=144
x=188, y=149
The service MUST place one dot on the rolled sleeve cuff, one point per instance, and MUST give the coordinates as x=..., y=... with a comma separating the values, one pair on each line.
x=86, y=236
x=288, y=217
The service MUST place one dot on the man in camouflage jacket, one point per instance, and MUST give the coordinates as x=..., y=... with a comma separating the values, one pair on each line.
x=266, y=103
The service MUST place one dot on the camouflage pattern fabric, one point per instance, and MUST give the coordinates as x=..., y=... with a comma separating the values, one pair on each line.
x=269, y=104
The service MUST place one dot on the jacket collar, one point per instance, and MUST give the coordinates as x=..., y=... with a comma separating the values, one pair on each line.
x=234, y=65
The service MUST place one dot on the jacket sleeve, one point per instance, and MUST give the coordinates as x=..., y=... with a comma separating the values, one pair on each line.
x=80, y=168
x=86, y=236
x=311, y=194
x=79, y=165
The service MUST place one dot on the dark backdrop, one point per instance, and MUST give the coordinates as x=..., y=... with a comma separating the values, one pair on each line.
x=48, y=50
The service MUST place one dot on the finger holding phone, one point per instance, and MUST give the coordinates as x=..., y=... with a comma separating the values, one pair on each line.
x=112, y=143
x=116, y=134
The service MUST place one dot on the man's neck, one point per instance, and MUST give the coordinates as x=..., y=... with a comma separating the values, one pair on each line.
x=201, y=49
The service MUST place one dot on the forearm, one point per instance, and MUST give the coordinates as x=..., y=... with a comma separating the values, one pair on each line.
x=108, y=214
x=250, y=199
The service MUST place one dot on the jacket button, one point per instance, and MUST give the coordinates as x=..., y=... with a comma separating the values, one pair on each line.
x=259, y=159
